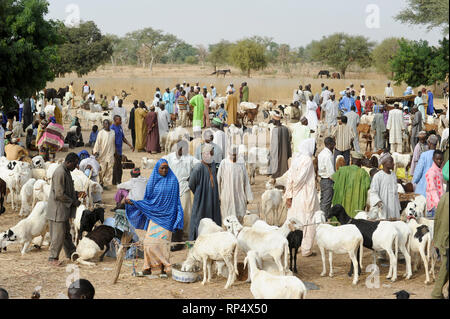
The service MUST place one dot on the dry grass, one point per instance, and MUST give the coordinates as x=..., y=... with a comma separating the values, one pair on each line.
x=271, y=83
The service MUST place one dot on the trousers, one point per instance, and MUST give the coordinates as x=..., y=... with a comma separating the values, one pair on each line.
x=60, y=237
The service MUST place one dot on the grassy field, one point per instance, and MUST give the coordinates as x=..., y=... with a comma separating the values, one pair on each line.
x=271, y=83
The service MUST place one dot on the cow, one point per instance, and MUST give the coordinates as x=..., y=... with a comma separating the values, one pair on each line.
x=51, y=93
x=336, y=75
x=324, y=72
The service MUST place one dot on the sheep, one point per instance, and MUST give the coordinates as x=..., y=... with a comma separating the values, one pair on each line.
x=377, y=236
x=208, y=226
x=366, y=119
x=249, y=219
x=85, y=220
x=340, y=161
x=51, y=169
x=39, y=173
x=89, y=117
x=258, y=158
x=432, y=257
x=38, y=162
x=41, y=191
x=417, y=207
x=267, y=286
x=174, y=137
x=403, y=233
x=401, y=160
x=218, y=246
x=265, y=243
x=148, y=163
x=95, y=243
x=420, y=245
x=26, y=229
x=295, y=239
x=344, y=239
x=271, y=201
x=26, y=196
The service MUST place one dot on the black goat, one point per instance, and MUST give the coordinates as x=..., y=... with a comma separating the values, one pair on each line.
x=102, y=236
x=295, y=241
x=88, y=220
x=367, y=228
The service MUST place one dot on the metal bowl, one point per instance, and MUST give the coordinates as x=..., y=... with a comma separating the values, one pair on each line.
x=183, y=276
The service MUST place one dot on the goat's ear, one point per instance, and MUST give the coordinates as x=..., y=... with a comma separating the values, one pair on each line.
x=245, y=262
x=10, y=233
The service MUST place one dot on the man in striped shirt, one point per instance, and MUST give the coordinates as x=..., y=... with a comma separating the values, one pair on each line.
x=182, y=107
x=344, y=136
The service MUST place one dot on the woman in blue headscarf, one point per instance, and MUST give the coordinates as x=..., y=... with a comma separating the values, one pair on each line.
x=160, y=213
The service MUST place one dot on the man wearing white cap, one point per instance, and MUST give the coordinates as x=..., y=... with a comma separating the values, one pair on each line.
x=280, y=147
x=388, y=90
x=395, y=126
x=213, y=92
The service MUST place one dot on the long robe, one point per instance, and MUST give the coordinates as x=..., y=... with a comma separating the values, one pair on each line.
x=139, y=118
x=27, y=113
x=384, y=188
x=417, y=125
x=331, y=109
x=395, y=125
x=311, y=115
x=231, y=108
x=245, y=94
x=350, y=188
x=169, y=99
x=300, y=133
x=379, y=127
x=300, y=186
x=353, y=121
x=280, y=151
x=418, y=150
x=152, y=137
x=234, y=188
x=419, y=178
x=206, y=197
x=430, y=108
x=199, y=106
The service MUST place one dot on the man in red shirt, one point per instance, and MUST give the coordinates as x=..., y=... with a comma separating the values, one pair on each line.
x=358, y=106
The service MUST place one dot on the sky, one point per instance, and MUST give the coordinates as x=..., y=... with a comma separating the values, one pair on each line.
x=295, y=22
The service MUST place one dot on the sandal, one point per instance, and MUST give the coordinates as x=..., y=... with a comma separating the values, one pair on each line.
x=145, y=273
x=163, y=276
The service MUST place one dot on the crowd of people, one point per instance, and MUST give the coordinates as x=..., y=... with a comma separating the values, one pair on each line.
x=217, y=177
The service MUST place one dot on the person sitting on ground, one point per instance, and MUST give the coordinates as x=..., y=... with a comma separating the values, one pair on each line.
x=134, y=189
x=15, y=152
x=222, y=113
x=74, y=137
x=3, y=294
x=93, y=136
x=81, y=289
x=75, y=122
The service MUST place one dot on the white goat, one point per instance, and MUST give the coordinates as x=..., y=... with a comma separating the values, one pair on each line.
x=345, y=239
x=26, y=229
x=219, y=246
x=26, y=196
x=267, y=286
x=148, y=163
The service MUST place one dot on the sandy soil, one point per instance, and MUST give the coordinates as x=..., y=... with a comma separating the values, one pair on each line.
x=20, y=275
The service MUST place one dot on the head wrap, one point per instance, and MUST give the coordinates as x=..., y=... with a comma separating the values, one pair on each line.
x=306, y=147
x=206, y=152
x=384, y=158
x=422, y=133
x=356, y=155
x=52, y=119
x=135, y=172
x=217, y=120
x=161, y=202
x=83, y=154
x=432, y=139
x=445, y=172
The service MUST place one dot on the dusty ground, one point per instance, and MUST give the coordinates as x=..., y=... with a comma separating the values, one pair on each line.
x=20, y=275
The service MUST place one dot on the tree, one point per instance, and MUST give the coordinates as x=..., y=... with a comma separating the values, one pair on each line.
x=28, y=49
x=202, y=53
x=383, y=54
x=411, y=62
x=248, y=55
x=157, y=43
x=340, y=50
x=439, y=67
x=432, y=13
x=181, y=52
x=84, y=50
x=219, y=53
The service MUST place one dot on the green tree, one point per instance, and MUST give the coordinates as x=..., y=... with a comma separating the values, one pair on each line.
x=181, y=52
x=341, y=50
x=383, y=54
x=432, y=13
x=439, y=67
x=219, y=53
x=85, y=49
x=411, y=63
x=28, y=49
x=249, y=55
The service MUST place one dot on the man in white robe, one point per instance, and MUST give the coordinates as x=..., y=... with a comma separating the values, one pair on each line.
x=121, y=111
x=353, y=121
x=300, y=132
x=234, y=186
x=104, y=149
x=301, y=194
x=331, y=108
x=163, y=123
x=311, y=114
x=181, y=164
x=218, y=133
x=388, y=90
x=395, y=126
x=383, y=192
